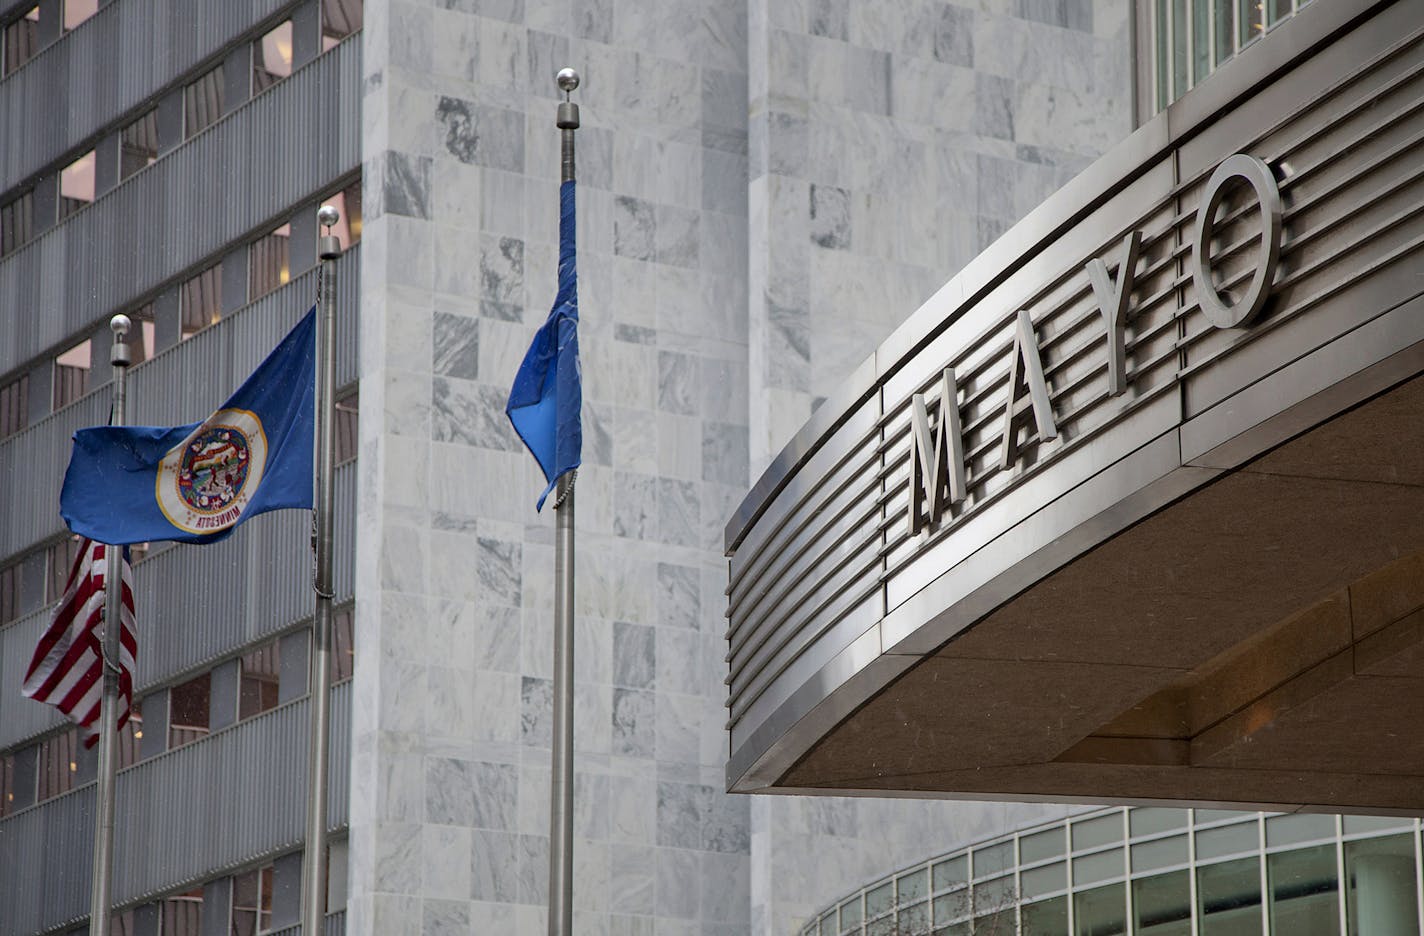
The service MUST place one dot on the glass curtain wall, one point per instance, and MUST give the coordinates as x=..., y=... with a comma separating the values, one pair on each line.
x=1156, y=872
x=1189, y=39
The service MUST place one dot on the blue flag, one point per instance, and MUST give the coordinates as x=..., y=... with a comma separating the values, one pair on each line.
x=547, y=395
x=134, y=484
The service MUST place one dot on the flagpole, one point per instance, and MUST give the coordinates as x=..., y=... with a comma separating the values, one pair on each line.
x=314, y=867
x=561, y=792
x=100, y=891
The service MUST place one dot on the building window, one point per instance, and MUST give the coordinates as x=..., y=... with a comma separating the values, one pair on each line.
x=268, y=263
x=202, y=103
x=59, y=560
x=348, y=202
x=11, y=578
x=58, y=763
x=200, y=300
x=17, y=222
x=252, y=902
x=130, y=737
x=140, y=338
x=343, y=652
x=182, y=914
x=22, y=39
x=77, y=11
x=7, y=784
x=188, y=711
x=339, y=19
x=272, y=57
x=14, y=408
x=344, y=430
x=1191, y=38
x=71, y=374
x=260, y=682
x=76, y=185
x=138, y=144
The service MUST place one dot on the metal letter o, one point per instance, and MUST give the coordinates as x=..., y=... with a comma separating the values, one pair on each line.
x=1258, y=174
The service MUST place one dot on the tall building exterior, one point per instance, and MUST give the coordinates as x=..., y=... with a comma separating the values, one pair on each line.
x=767, y=188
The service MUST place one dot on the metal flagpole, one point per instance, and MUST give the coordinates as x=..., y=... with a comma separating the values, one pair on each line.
x=561, y=792
x=318, y=767
x=100, y=891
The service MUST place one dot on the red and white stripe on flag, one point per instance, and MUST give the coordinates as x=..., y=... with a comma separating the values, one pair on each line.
x=67, y=670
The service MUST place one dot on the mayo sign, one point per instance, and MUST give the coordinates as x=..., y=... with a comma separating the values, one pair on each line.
x=937, y=471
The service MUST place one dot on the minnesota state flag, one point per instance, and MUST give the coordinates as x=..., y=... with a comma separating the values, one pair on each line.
x=195, y=483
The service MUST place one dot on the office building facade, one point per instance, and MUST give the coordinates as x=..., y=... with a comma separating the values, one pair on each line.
x=767, y=190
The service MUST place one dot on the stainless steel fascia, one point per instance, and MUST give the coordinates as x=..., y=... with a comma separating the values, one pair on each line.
x=1223, y=367
x=1312, y=27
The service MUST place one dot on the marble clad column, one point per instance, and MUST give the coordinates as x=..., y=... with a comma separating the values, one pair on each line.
x=450, y=764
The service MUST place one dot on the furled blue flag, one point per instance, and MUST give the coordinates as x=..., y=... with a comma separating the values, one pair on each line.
x=547, y=395
x=194, y=483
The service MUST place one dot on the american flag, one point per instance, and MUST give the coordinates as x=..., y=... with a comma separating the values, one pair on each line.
x=67, y=670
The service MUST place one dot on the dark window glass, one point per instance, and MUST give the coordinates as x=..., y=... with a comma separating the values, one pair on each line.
x=71, y=374
x=58, y=762
x=272, y=57
x=59, y=559
x=1046, y=918
x=202, y=103
x=260, y=680
x=77, y=11
x=10, y=578
x=343, y=651
x=200, y=300
x=7, y=784
x=122, y=924
x=129, y=737
x=138, y=144
x=1224, y=29
x=1305, y=897
x=344, y=431
x=17, y=222
x=183, y=914
x=1163, y=904
x=188, y=711
x=1229, y=898
x=268, y=263
x=14, y=407
x=1100, y=912
x=22, y=39
x=252, y=902
x=339, y=19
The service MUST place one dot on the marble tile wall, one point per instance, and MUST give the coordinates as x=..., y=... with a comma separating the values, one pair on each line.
x=890, y=142
x=766, y=188
x=450, y=775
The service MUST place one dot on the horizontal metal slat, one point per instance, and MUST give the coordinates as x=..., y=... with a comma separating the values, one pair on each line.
x=113, y=62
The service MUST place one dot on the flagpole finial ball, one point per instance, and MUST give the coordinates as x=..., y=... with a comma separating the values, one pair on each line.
x=120, y=325
x=568, y=79
x=327, y=216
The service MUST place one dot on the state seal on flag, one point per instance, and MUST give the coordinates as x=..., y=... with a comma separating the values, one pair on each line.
x=205, y=482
